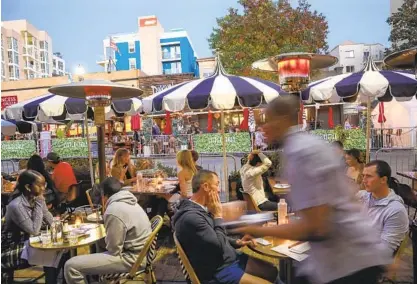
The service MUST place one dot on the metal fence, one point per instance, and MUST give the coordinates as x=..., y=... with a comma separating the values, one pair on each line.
x=398, y=137
x=399, y=159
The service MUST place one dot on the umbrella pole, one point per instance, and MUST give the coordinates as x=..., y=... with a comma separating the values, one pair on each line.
x=368, y=128
x=101, y=152
x=225, y=176
x=315, y=121
x=90, y=159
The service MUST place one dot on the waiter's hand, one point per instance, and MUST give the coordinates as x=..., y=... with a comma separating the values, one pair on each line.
x=248, y=230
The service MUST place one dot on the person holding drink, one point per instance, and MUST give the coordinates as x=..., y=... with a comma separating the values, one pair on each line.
x=345, y=248
x=122, y=168
x=24, y=217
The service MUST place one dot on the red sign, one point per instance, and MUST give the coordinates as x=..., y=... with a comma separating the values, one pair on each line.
x=148, y=22
x=8, y=101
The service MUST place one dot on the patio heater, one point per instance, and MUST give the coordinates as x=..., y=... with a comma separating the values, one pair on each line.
x=404, y=59
x=294, y=69
x=98, y=95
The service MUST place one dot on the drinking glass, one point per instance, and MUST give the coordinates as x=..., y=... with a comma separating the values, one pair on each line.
x=46, y=238
x=72, y=238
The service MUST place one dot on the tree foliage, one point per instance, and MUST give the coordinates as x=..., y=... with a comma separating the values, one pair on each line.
x=265, y=28
x=404, y=26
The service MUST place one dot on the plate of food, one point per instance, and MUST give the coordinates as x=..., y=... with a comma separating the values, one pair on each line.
x=127, y=188
x=282, y=185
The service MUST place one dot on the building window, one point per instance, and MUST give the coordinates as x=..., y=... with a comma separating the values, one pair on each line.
x=131, y=46
x=176, y=68
x=365, y=55
x=132, y=63
x=9, y=43
x=350, y=69
x=350, y=54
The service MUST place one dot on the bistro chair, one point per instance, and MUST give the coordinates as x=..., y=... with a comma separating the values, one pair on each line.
x=148, y=251
x=186, y=267
x=250, y=203
x=392, y=277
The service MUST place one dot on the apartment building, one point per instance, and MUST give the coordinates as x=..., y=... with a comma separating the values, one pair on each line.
x=353, y=56
x=151, y=49
x=26, y=51
x=58, y=65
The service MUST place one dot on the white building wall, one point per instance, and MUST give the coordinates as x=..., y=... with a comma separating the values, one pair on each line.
x=352, y=56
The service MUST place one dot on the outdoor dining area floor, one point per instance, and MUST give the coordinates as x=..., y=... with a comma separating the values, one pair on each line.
x=168, y=270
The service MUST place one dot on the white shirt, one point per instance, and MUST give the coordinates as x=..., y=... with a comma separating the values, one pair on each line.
x=252, y=179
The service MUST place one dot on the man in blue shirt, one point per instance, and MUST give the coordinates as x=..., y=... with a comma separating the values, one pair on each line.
x=386, y=209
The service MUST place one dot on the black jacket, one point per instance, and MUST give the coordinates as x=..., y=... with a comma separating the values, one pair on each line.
x=203, y=239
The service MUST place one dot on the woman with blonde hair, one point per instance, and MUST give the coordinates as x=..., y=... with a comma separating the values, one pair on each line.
x=122, y=168
x=187, y=170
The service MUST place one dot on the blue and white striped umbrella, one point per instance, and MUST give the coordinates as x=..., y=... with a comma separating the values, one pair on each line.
x=8, y=128
x=220, y=91
x=49, y=108
x=370, y=82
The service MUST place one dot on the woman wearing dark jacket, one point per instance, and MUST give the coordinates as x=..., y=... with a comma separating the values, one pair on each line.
x=36, y=163
x=25, y=215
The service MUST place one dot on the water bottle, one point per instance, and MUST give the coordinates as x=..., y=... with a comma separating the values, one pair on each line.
x=56, y=231
x=139, y=180
x=282, y=212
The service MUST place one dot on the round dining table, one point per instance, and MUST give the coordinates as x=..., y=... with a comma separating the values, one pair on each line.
x=286, y=269
x=96, y=233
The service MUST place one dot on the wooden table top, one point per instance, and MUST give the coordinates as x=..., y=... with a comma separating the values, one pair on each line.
x=267, y=250
x=96, y=234
x=275, y=190
x=410, y=175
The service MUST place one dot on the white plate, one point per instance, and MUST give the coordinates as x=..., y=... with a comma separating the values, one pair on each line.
x=127, y=188
x=93, y=217
x=282, y=185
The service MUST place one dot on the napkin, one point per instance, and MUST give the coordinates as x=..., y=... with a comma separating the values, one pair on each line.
x=283, y=249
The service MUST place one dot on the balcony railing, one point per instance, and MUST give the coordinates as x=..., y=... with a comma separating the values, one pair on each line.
x=171, y=56
x=172, y=71
x=28, y=51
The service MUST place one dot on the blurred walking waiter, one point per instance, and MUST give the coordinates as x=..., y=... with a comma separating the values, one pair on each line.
x=344, y=246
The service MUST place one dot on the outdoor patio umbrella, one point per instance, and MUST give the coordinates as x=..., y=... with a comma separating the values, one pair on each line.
x=50, y=108
x=8, y=128
x=369, y=83
x=220, y=91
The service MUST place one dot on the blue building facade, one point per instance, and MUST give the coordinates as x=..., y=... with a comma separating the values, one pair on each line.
x=164, y=52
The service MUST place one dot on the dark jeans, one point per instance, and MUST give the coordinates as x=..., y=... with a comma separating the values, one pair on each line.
x=369, y=275
x=268, y=206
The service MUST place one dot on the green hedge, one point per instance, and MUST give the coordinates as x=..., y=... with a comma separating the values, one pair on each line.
x=212, y=142
x=17, y=149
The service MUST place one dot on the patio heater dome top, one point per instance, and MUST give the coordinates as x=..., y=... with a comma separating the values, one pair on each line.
x=317, y=61
x=402, y=59
x=87, y=87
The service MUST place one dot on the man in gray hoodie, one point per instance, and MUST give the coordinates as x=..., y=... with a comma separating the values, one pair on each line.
x=127, y=228
x=385, y=208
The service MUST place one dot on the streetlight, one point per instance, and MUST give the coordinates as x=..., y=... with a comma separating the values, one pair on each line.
x=80, y=71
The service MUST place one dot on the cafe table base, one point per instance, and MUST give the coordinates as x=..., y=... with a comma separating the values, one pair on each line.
x=285, y=264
